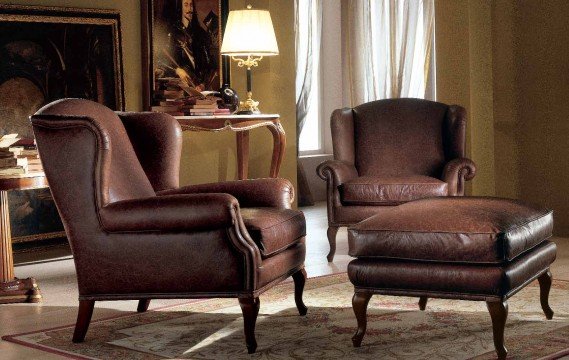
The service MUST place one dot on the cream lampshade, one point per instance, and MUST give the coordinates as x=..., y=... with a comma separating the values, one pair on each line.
x=249, y=33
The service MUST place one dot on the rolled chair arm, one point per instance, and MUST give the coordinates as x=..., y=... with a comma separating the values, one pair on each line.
x=269, y=192
x=456, y=172
x=174, y=213
x=337, y=171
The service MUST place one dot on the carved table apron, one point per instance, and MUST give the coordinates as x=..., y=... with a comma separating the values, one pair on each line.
x=241, y=125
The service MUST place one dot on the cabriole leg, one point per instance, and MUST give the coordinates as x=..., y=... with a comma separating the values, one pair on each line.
x=331, y=233
x=499, y=314
x=299, y=278
x=544, y=286
x=359, y=304
x=250, y=309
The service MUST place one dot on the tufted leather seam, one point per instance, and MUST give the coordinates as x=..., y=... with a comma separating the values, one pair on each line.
x=425, y=232
x=537, y=217
x=501, y=261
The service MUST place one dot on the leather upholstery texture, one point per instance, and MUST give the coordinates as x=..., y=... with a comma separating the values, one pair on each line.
x=422, y=278
x=369, y=190
x=274, y=230
x=135, y=234
x=388, y=152
x=478, y=230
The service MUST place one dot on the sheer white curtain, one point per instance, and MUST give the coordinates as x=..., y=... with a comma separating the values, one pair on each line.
x=308, y=30
x=387, y=47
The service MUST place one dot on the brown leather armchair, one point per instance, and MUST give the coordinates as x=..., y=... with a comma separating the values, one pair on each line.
x=389, y=152
x=135, y=234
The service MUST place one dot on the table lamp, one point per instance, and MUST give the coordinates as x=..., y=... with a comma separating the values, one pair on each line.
x=249, y=33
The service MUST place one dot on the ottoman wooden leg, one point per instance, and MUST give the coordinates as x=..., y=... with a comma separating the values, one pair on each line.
x=359, y=303
x=499, y=314
x=331, y=233
x=545, y=286
x=423, y=303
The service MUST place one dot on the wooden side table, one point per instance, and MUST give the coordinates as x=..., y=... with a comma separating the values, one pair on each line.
x=13, y=290
x=241, y=124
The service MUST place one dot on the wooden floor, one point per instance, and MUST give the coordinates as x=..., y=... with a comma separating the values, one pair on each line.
x=57, y=282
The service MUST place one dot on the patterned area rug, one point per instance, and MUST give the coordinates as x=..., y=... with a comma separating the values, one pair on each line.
x=212, y=329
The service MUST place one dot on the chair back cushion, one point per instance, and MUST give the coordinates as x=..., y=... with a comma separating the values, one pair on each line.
x=399, y=137
x=157, y=141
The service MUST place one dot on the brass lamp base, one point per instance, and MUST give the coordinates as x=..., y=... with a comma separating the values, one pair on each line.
x=249, y=106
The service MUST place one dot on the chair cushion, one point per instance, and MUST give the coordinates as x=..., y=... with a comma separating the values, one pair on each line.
x=453, y=229
x=274, y=230
x=369, y=190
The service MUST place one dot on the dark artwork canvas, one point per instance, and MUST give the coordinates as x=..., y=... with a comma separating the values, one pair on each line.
x=48, y=53
x=186, y=39
x=182, y=46
x=33, y=216
x=52, y=53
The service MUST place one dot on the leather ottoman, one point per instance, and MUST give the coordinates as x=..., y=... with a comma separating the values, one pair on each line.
x=471, y=248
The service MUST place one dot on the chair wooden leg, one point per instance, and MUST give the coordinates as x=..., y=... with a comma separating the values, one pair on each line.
x=359, y=304
x=331, y=233
x=544, y=287
x=143, y=305
x=83, y=320
x=250, y=309
x=299, y=278
x=499, y=314
x=423, y=303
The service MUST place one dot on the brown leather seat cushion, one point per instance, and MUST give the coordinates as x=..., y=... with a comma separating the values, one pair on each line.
x=370, y=190
x=453, y=229
x=274, y=230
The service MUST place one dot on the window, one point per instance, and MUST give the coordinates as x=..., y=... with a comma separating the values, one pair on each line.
x=351, y=52
x=308, y=33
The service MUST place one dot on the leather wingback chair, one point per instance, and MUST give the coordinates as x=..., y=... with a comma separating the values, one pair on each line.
x=388, y=152
x=135, y=234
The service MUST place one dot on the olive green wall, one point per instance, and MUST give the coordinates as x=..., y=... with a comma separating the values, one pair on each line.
x=464, y=77
x=506, y=61
x=210, y=157
x=542, y=53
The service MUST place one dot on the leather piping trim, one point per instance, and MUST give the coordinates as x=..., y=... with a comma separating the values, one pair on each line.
x=501, y=233
x=454, y=262
x=446, y=294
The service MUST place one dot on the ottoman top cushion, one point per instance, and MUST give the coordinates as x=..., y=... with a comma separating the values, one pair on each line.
x=453, y=229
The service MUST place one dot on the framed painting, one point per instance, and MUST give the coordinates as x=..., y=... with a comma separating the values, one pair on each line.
x=181, y=42
x=48, y=53
x=33, y=216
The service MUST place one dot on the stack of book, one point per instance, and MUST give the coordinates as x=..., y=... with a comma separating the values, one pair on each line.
x=18, y=156
x=9, y=164
x=168, y=96
x=174, y=97
x=27, y=156
x=203, y=107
